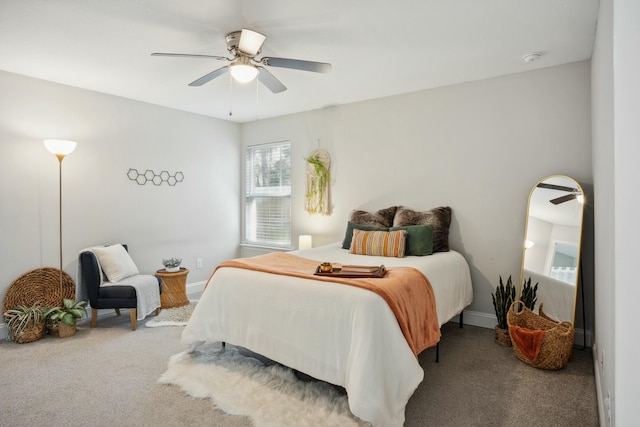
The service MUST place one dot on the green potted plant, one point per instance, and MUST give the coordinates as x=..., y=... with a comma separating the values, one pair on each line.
x=528, y=296
x=67, y=315
x=172, y=264
x=25, y=324
x=502, y=300
x=316, y=195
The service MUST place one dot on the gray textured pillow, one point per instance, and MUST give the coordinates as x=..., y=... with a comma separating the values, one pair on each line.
x=382, y=218
x=439, y=218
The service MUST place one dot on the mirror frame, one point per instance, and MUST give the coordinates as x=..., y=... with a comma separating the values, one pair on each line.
x=580, y=233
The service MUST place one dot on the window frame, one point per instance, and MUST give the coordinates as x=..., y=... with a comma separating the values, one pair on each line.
x=272, y=244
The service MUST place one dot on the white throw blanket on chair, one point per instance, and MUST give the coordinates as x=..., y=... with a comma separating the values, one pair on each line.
x=146, y=286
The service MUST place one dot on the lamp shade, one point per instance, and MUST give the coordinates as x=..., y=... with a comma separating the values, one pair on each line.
x=244, y=73
x=59, y=146
x=243, y=70
x=305, y=241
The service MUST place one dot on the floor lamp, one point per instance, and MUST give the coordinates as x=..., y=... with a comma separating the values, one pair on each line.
x=60, y=148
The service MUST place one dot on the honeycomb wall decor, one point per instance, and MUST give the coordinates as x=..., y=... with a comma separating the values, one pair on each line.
x=141, y=178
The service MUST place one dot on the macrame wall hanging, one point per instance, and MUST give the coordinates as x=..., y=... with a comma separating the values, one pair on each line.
x=318, y=193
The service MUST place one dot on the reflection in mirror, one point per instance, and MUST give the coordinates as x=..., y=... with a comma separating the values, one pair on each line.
x=551, y=253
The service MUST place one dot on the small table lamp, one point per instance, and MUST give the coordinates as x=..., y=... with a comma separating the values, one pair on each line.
x=305, y=241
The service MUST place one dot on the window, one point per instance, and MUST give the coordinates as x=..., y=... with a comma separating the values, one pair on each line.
x=268, y=195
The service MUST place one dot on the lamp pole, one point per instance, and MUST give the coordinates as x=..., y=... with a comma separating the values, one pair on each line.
x=60, y=158
x=60, y=148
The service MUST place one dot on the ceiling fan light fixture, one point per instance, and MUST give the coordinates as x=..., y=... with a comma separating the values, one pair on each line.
x=243, y=71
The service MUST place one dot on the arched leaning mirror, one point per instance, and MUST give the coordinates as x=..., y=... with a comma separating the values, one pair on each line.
x=551, y=250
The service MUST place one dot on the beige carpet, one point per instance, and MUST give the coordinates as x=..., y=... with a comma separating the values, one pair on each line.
x=109, y=376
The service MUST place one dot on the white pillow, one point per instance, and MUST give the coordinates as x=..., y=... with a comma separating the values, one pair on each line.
x=115, y=262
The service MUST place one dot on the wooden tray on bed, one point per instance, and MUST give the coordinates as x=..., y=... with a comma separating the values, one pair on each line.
x=354, y=271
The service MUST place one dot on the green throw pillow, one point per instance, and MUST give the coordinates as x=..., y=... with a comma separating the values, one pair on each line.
x=419, y=239
x=348, y=236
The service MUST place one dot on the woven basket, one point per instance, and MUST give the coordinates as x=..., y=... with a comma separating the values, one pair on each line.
x=39, y=286
x=502, y=337
x=65, y=331
x=557, y=343
x=31, y=333
x=544, y=315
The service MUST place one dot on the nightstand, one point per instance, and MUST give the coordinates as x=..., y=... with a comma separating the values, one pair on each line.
x=174, y=288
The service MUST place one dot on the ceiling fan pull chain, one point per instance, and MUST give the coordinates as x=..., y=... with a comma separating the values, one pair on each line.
x=230, y=96
x=257, y=101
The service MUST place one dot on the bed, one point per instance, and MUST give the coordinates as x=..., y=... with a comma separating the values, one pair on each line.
x=340, y=334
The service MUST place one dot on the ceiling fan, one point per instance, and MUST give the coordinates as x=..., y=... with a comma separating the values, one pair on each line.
x=245, y=45
x=574, y=192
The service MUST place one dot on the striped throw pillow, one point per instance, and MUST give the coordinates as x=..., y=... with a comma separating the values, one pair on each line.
x=379, y=243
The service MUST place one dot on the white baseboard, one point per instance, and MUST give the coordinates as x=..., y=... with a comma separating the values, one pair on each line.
x=476, y=318
x=196, y=287
x=599, y=397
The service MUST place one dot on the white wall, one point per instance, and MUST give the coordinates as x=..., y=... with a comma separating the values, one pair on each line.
x=604, y=189
x=197, y=218
x=616, y=108
x=478, y=147
x=627, y=233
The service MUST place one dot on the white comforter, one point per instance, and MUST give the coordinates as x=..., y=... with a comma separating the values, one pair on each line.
x=341, y=334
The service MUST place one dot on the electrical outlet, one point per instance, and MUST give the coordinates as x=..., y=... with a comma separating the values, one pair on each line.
x=199, y=263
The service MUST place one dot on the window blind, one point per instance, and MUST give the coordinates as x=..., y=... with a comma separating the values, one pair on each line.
x=268, y=195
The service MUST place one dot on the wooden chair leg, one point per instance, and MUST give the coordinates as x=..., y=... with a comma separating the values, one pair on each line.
x=157, y=311
x=94, y=317
x=117, y=312
x=133, y=313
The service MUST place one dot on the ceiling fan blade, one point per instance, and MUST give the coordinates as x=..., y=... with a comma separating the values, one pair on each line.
x=297, y=64
x=188, y=55
x=563, y=199
x=207, y=77
x=250, y=42
x=270, y=81
x=556, y=187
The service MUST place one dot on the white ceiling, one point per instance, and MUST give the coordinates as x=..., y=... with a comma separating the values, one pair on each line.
x=377, y=47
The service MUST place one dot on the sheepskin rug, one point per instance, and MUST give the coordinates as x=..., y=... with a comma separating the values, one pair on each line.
x=176, y=316
x=270, y=394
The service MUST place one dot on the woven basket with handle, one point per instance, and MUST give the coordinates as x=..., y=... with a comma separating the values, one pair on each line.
x=39, y=286
x=557, y=343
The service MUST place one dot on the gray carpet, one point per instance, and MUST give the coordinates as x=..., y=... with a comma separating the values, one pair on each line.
x=108, y=376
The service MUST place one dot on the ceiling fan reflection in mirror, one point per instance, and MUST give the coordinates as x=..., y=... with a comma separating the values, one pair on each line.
x=574, y=193
x=245, y=45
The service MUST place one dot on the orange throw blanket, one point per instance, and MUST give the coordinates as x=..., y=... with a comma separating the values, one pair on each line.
x=529, y=341
x=406, y=290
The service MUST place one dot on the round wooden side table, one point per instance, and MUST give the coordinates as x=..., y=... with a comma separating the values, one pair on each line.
x=174, y=288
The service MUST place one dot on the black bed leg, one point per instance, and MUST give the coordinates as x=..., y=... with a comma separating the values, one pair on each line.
x=461, y=317
x=438, y=353
x=224, y=344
